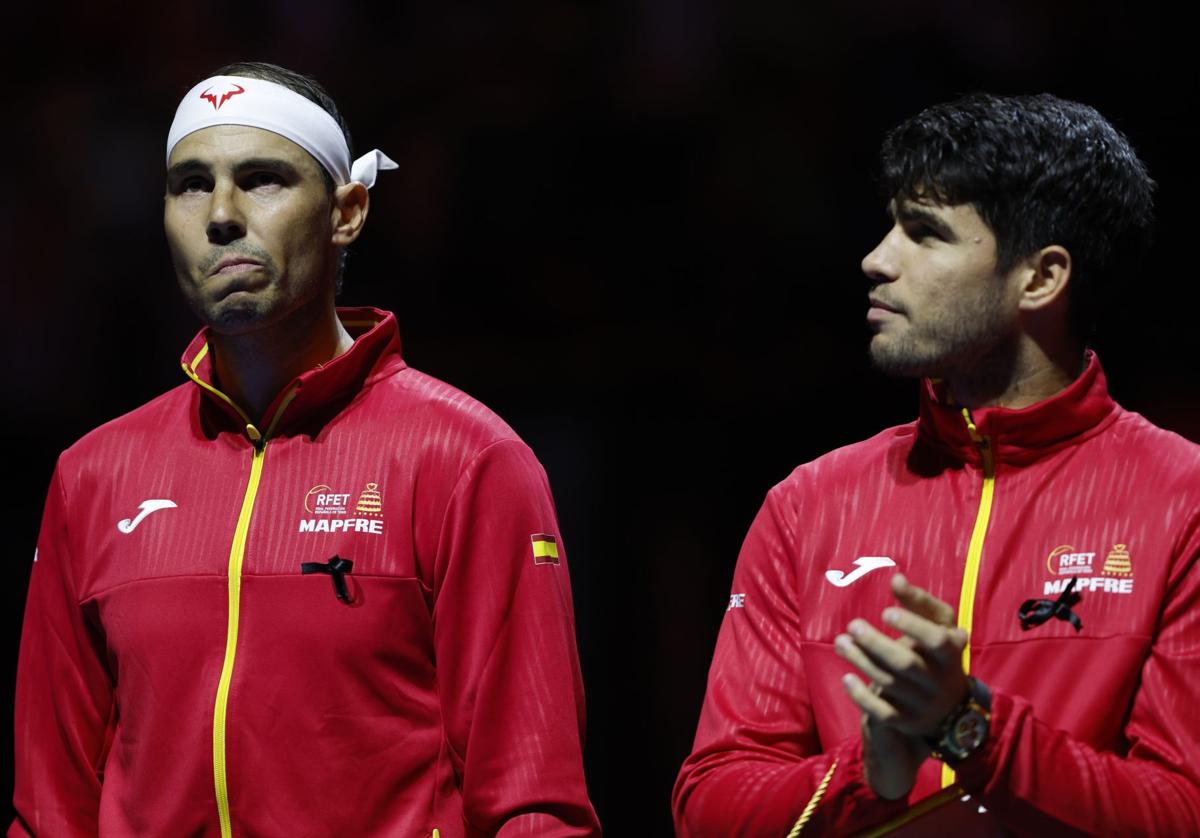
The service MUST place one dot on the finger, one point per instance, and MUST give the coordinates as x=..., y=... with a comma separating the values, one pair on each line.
x=869, y=702
x=904, y=696
x=898, y=709
x=939, y=642
x=900, y=660
x=920, y=601
x=849, y=651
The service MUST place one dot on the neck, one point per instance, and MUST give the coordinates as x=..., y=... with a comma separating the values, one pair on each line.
x=1018, y=375
x=253, y=368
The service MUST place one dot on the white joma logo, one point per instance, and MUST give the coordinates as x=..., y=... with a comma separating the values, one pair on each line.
x=128, y=525
x=865, y=565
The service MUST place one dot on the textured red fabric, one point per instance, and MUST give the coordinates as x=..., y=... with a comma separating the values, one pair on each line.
x=1092, y=732
x=447, y=694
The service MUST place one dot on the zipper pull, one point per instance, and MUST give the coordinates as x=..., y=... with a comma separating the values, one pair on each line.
x=256, y=437
x=983, y=443
x=337, y=567
x=971, y=429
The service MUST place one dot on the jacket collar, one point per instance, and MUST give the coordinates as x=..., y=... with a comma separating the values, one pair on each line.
x=1070, y=416
x=312, y=397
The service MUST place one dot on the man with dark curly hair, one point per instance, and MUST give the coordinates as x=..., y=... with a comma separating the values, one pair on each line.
x=982, y=622
x=311, y=590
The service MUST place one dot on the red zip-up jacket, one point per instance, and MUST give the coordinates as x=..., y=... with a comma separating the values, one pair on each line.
x=182, y=675
x=1093, y=731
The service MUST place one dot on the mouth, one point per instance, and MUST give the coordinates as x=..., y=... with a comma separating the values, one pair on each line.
x=879, y=305
x=235, y=265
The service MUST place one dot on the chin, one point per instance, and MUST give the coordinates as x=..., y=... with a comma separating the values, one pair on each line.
x=233, y=318
x=902, y=361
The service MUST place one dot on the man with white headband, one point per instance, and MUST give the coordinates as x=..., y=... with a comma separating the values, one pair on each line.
x=310, y=591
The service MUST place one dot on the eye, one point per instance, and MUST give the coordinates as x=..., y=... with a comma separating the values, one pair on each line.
x=258, y=180
x=918, y=231
x=193, y=184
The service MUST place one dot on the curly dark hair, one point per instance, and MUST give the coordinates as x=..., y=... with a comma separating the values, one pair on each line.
x=310, y=89
x=1039, y=170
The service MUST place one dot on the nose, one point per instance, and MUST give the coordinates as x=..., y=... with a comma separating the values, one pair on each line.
x=225, y=220
x=880, y=265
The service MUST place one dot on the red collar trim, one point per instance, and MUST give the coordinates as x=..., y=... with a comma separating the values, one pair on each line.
x=376, y=350
x=1077, y=412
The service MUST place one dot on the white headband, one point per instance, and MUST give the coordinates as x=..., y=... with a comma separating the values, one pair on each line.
x=233, y=100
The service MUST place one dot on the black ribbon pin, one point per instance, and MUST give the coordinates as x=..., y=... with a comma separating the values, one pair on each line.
x=1034, y=612
x=337, y=567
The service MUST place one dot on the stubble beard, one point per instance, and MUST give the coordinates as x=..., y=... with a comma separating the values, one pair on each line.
x=951, y=346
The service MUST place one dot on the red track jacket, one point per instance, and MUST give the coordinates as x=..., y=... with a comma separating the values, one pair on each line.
x=1095, y=731
x=181, y=675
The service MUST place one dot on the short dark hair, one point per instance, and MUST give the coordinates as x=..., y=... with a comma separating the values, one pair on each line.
x=310, y=89
x=1039, y=170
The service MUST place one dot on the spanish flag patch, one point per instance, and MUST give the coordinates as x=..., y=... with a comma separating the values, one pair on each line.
x=545, y=548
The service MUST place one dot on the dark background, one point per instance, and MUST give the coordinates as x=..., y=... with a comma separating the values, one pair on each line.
x=632, y=228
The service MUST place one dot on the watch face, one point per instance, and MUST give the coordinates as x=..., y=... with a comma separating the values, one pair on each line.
x=969, y=731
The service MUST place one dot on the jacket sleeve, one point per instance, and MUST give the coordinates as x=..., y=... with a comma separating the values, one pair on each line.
x=1038, y=780
x=511, y=689
x=757, y=761
x=64, y=698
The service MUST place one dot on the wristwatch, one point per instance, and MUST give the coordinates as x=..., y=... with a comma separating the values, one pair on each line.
x=965, y=729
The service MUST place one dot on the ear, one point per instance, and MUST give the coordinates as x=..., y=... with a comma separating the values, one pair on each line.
x=1045, y=275
x=349, y=212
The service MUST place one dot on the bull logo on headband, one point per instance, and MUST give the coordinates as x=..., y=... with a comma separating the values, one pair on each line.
x=225, y=97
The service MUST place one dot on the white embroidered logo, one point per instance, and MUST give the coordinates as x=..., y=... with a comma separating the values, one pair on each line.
x=865, y=565
x=147, y=506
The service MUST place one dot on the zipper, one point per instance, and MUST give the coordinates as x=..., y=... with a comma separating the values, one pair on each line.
x=966, y=598
x=237, y=555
